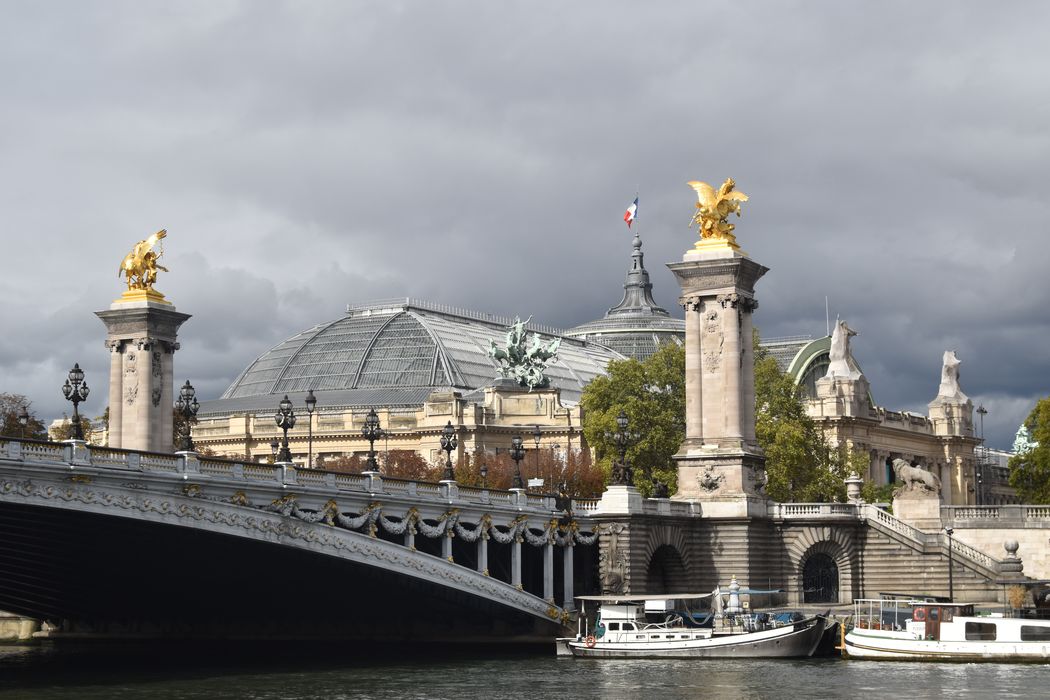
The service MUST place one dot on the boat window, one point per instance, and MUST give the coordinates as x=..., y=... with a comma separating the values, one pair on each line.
x=947, y=615
x=614, y=626
x=656, y=636
x=1032, y=633
x=628, y=625
x=980, y=631
x=934, y=614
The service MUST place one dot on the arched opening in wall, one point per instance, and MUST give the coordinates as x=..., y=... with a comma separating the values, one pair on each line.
x=820, y=579
x=666, y=571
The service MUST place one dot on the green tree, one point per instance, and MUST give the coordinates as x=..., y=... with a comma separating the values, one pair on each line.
x=1030, y=471
x=801, y=466
x=652, y=394
x=64, y=431
x=11, y=407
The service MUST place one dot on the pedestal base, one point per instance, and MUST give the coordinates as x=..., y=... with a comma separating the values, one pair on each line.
x=919, y=510
x=620, y=500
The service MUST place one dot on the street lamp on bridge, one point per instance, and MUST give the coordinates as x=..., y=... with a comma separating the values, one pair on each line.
x=23, y=420
x=285, y=419
x=484, y=471
x=76, y=390
x=951, y=581
x=622, y=439
x=186, y=406
x=517, y=453
x=372, y=432
x=536, y=435
x=449, y=442
x=982, y=459
x=311, y=403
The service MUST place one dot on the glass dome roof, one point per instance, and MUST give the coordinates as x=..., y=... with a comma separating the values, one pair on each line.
x=394, y=347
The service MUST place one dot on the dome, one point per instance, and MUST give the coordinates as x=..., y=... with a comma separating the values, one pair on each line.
x=636, y=327
x=396, y=353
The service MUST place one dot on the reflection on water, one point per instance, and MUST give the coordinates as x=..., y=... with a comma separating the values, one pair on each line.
x=293, y=671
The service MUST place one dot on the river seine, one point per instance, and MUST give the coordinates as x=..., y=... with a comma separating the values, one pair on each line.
x=294, y=673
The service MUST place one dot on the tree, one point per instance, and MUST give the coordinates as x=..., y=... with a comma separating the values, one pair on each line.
x=652, y=394
x=1030, y=470
x=11, y=406
x=801, y=466
x=64, y=430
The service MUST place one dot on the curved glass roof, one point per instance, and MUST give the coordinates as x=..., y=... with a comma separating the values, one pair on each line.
x=395, y=351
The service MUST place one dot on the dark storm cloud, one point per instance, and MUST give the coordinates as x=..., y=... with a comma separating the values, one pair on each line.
x=307, y=155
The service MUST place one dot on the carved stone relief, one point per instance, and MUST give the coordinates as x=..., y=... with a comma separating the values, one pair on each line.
x=709, y=480
x=714, y=338
x=612, y=562
x=131, y=380
x=156, y=370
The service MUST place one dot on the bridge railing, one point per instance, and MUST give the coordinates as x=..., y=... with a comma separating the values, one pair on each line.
x=79, y=454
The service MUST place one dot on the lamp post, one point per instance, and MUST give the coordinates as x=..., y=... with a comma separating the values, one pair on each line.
x=449, y=443
x=23, y=420
x=311, y=403
x=951, y=580
x=484, y=471
x=285, y=419
x=76, y=390
x=978, y=467
x=273, y=448
x=554, y=458
x=186, y=406
x=372, y=432
x=517, y=453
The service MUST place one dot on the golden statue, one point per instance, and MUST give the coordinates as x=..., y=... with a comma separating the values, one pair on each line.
x=713, y=210
x=140, y=268
x=140, y=265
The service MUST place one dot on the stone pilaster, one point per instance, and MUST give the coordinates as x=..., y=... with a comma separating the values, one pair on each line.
x=720, y=462
x=141, y=336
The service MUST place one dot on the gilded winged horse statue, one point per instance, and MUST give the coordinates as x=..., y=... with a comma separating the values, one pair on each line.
x=714, y=208
x=140, y=265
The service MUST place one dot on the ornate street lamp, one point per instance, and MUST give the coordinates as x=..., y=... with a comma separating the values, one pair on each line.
x=76, y=390
x=449, y=443
x=311, y=403
x=23, y=420
x=273, y=448
x=186, y=406
x=484, y=471
x=951, y=582
x=978, y=466
x=285, y=419
x=517, y=453
x=373, y=432
x=622, y=438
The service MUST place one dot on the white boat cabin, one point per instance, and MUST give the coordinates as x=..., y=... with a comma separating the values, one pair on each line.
x=630, y=622
x=945, y=622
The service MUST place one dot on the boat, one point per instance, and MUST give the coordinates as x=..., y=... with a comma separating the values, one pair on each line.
x=658, y=626
x=930, y=630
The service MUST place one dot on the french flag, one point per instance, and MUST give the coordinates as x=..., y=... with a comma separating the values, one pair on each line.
x=632, y=213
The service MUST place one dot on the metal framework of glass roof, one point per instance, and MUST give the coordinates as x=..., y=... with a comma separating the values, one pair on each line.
x=404, y=344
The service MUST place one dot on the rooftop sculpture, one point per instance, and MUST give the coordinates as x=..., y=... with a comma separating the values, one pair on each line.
x=524, y=359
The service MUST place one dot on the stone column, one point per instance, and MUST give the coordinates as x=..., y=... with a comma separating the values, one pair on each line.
x=694, y=398
x=515, y=562
x=446, y=544
x=548, y=572
x=141, y=333
x=116, y=401
x=483, y=553
x=722, y=465
x=567, y=602
x=410, y=537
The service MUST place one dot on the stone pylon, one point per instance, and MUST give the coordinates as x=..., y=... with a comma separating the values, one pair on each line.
x=720, y=462
x=141, y=330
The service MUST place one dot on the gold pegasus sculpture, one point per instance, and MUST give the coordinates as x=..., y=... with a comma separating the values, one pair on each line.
x=140, y=265
x=713, y=210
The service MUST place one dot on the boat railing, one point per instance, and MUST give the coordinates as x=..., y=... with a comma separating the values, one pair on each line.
x=882, y=613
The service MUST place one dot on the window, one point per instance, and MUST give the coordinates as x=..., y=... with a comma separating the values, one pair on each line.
x=628, y=626
x=980, y=631
x=614, y=626
x=1031, y=633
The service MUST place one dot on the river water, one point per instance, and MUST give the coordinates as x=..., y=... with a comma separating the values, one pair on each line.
x=286, y=671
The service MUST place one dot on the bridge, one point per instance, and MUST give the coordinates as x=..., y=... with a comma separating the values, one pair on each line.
x=103, y=541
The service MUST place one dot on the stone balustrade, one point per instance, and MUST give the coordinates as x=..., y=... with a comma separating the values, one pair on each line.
x=1010, y=516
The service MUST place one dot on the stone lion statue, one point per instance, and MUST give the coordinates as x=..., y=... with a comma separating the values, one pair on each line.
x=915, y=478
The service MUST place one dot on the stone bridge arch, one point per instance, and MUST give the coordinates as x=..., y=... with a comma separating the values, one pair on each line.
x=667, y=560
x=820, y=553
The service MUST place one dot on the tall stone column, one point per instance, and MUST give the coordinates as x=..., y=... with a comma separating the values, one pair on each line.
x=722, y=465
x=141, y=335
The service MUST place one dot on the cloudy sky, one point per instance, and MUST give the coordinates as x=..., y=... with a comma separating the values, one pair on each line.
x=306, y=155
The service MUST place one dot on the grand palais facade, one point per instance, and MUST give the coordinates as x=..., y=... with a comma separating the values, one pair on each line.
x=422, y=365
